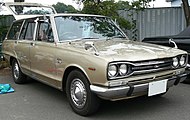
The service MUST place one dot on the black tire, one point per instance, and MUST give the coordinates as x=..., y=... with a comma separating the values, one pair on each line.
x=85, y=102
x=17, y=74
x=187, y=80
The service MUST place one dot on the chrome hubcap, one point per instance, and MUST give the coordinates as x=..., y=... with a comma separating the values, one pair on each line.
x=16, y=71
x=78, y=93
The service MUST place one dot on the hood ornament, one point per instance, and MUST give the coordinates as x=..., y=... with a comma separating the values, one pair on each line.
x=89, y=45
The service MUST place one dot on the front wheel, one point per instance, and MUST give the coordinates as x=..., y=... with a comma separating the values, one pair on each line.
x=80, y=97
x=18, y=76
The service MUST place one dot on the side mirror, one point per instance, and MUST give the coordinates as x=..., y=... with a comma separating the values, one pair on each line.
x=172, y=42
x=89, y=45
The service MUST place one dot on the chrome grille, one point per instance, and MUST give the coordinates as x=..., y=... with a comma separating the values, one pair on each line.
x=151, y=66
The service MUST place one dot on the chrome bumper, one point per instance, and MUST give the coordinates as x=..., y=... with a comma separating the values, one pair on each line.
x=131, y=90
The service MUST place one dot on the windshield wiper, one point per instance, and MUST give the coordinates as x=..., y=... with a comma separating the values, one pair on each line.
x=85, y=38
x=110, y=38
x=78, y=39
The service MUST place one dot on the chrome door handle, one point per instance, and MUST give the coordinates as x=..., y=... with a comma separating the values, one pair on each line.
x=59, y=60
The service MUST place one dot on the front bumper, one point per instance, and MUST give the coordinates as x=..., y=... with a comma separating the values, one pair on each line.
x=130, y=90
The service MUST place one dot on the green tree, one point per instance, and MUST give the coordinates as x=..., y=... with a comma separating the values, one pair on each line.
x=111, y=8
x=62, y=8
x=106, y=8
x=3, y=29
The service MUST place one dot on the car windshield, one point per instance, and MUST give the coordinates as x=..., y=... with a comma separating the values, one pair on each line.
x=31, y=10
x=86, y=27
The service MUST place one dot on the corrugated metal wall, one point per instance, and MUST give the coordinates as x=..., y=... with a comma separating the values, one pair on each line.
x=158, y=21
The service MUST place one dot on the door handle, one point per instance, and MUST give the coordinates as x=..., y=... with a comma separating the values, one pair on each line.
x=59, y=60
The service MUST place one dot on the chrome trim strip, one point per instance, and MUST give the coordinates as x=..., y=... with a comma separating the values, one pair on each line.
x=151, y=70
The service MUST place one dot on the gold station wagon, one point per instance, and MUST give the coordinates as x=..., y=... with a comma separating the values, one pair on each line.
x=90, y=58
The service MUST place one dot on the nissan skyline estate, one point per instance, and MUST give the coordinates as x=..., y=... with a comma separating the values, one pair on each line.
x=90, y=58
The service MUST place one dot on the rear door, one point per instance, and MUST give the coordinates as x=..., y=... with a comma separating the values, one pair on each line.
x=23, y=44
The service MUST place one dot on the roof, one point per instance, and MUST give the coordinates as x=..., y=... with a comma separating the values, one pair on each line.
x=26, y=3
x=73, y=14
x=10, y=7
x=61, y=14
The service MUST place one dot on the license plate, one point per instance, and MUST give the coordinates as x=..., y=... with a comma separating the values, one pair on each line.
x=157, y=87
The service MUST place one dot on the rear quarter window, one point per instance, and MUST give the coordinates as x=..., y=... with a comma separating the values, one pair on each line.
x=14, y=31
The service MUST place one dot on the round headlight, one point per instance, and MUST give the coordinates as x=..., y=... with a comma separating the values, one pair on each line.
x=182, y=60
x=112, y=70
x=175, y=62
x=123, y=69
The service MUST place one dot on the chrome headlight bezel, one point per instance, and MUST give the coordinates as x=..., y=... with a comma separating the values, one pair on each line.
x=180, y=61
x=183, y=60
x=123, y=70
x=112, y=70
x=175, y=62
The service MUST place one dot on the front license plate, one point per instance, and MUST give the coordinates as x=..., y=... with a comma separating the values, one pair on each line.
x=157, y=87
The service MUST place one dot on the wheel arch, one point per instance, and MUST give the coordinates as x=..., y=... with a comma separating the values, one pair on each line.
x=11, y=60
x=68, y=70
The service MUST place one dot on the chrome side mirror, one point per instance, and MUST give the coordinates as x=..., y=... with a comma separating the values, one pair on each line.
x=89, y=45
x=173, y=42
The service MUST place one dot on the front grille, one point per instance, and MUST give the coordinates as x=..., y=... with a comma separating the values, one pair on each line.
x=151, y=66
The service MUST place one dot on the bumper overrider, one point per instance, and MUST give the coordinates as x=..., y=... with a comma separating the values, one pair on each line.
x=130, y=90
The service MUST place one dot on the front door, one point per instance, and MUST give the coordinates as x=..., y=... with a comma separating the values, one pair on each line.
x=42, y=54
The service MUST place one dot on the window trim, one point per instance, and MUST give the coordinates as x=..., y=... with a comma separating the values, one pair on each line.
x=26, y=22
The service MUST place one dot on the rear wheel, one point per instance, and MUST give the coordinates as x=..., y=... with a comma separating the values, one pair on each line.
x=17, y=74
x=80, y=97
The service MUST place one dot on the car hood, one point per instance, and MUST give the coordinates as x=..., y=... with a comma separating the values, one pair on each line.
x=128, y=50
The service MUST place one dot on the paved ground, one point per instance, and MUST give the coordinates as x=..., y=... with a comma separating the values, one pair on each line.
x=36, y=101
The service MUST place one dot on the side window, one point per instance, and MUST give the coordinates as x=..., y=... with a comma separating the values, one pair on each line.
x=28, y=30
x=14, y=31
x=44, y=32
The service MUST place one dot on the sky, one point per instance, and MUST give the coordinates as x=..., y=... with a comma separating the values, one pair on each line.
x=157, y=3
